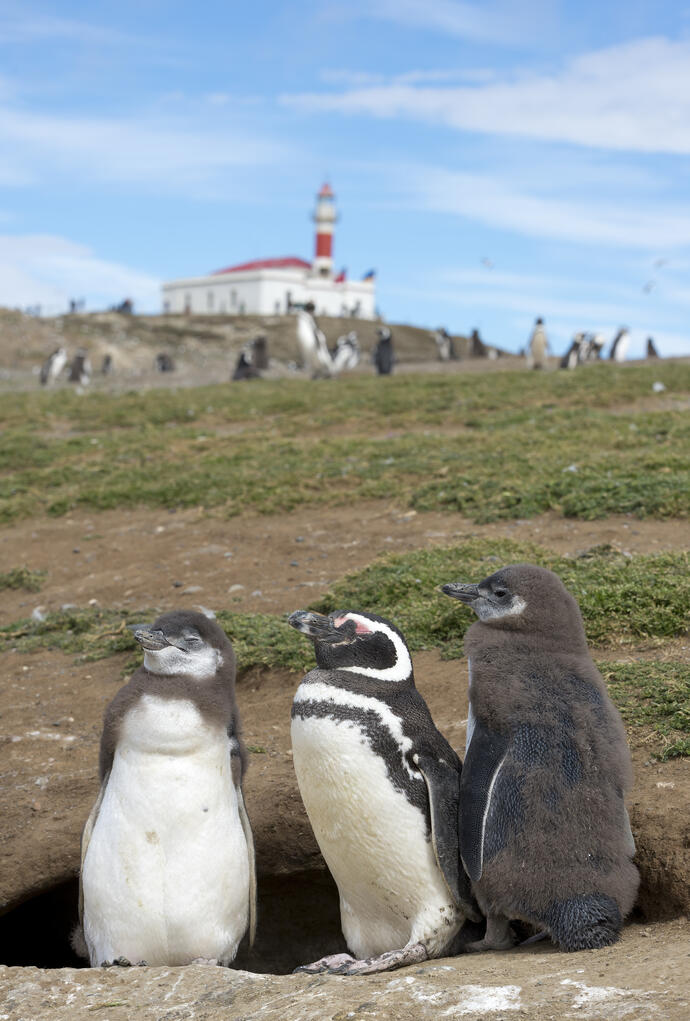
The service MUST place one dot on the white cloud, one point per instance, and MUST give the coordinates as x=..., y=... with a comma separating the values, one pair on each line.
x=497, y=203
x=489, y=22
x=634, y=96
x=171, y=154
x=25, y=26
x=48, y=271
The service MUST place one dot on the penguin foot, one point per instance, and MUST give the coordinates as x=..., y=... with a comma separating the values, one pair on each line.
x=484, y=944
x=118, y=962
x=413, y=953
x=499, y=936
x=330, y=964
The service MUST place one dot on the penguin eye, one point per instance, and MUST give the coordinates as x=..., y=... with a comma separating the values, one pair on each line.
x=500, y=592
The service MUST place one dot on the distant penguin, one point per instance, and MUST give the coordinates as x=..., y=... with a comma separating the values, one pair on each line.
x=651, y=348
x=312, y=345
x=384, y=357
x=164, y=362
x=544, y=832
x=445, y=345
x=346, y=352
x=571, y=359
x=380, y=785
x=619, y=347
x=259, y=351
x=537, y=346
x=245, y=369
x=477, y=345
x=53, y=366
x=167, y=873
x=107, y=365
x=584, y=348
x=597, y=345
x=80, y=368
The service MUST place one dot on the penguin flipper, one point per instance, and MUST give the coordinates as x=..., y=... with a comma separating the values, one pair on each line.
x=85, y=839
x=483, y=761
x=247, y=829
x=443, y=789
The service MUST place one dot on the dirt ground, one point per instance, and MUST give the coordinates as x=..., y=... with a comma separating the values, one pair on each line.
x=51, y=710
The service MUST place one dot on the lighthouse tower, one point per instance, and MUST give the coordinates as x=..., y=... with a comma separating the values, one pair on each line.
x=324, y=217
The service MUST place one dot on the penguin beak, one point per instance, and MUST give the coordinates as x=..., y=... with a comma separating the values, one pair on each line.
x=459, y=590
x=150, y=639
x=320, y=627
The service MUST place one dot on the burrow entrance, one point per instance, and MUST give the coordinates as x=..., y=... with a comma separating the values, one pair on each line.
x=298, y=922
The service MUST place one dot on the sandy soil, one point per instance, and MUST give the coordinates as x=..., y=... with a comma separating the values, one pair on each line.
x=51, y=708
x=159, y=559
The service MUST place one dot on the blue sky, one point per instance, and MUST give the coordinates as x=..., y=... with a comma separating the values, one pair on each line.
x=492, y=161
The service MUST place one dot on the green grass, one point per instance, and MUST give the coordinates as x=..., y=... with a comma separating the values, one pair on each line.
x=490, y=446
x=654, y=697
x=621, y=598
x=22, y=578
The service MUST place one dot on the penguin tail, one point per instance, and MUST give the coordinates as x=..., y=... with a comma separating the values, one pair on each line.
x=585, y=922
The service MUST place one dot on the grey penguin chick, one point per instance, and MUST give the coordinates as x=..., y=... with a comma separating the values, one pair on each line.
x=381, y=786
x=167, y=872
x=544, y=832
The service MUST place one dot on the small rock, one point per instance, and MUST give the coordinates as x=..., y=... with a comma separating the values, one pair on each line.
x=299, y=538
x=160, y=528
x=41, y=781
x=235, y=588
x=76, y=550
x=571, y=468
x=93, y=602
x=191, y=589
x=294, y=563
x=178, y=584
x=38, y=614
x=658, y=387
x=257, y=592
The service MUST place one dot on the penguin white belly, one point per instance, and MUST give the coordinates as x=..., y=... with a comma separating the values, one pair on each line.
x=373, y=840
x=166, y=872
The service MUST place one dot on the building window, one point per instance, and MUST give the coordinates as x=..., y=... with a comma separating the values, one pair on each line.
x=187, y=303
x=209, y=300
x=166, y=306
x=233, y=299
x=288, y=301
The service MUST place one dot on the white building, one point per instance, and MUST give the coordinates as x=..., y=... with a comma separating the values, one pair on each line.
x=275, y=286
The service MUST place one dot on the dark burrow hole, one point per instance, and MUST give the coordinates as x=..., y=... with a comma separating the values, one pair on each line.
x=298, y=922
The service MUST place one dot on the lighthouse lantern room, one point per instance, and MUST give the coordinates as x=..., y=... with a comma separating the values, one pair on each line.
x=275, y=286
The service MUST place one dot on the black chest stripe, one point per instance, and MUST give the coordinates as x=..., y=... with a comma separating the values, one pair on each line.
x=377, y=735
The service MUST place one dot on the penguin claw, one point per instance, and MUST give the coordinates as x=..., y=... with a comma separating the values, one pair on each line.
x=331, y=964
x=118, y=962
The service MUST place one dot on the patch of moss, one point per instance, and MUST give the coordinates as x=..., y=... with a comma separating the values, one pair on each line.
x=656, y=698
x=22, y=578
x=621, y=597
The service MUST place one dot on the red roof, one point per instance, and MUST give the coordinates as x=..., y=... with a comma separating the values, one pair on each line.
x=288, y=262
x=326, y=191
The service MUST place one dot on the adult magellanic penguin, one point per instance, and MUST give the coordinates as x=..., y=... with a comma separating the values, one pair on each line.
x=384, y=357
x=380, y=785
x=167, y=872
x=544, y=832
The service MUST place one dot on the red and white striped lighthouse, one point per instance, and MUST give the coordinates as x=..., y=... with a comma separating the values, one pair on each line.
x=324, y=217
